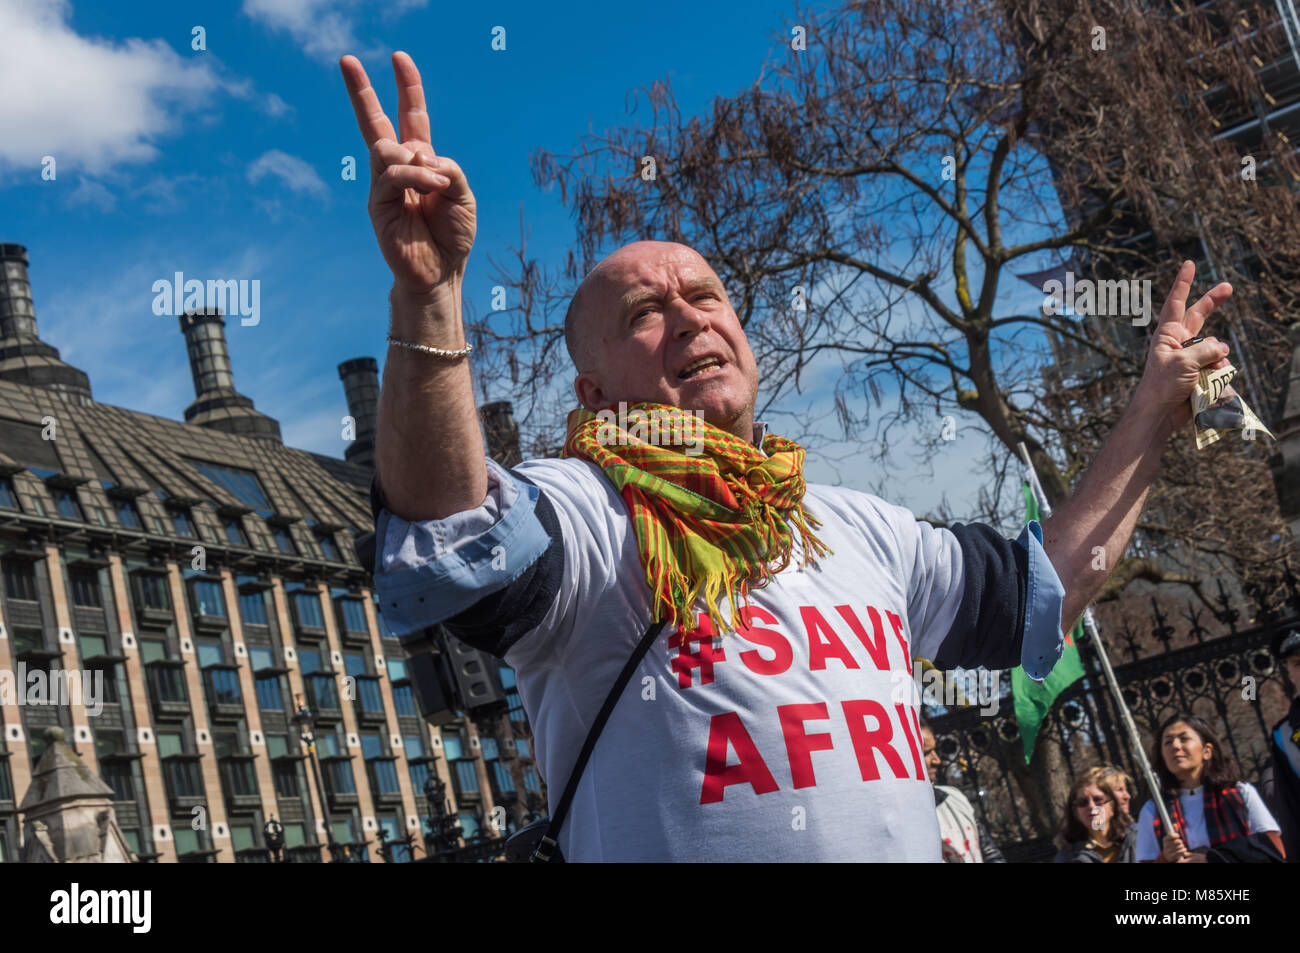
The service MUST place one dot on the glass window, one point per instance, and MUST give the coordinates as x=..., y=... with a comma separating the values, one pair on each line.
x=505, y=782
x=240, y=777
x=6, y=785
x=404, y=700
x=184, y=778
x=309, y=661
x=531, y=781
x=354, y=615
x=261, y=657
x=285, y=775
x=489, y=746
x=277, y=746
x=241, y=837
x=127, y=515
x=153, y=591
x=269, y=696
x=466, y=776
x=169, y=683
x=327, y=744
x=330, y=550
x=132, y=837
x=340, y=777
x=396, y=668
x=8, y=500
x=354, y=663
x=182, y=523
x=308, y=604
x=210, y=653
x=153, y=650
x=419, y=775
x=342, y=831
x=413, y=745
x=371, y=698
x=521, y=745
x=187, y=840
x=451, y=745
x=92, y=645
x=295, y=835
x=65, y=501
x=283, y=541
x=252, y=608
x=85, y=588
x=20, y=579
x=225, y=686
x=322, y=691
x=468, y=824
x=386, y=776
x=507, y=677
x=169, y=743
x=243, y=484
x=383, y=626
x=208, y=597
x=234, y=532
x=372, y=746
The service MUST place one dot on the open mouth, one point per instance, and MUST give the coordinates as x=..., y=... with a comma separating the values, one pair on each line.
x=702, y=366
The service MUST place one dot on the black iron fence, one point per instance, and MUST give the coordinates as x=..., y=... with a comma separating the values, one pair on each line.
x=1207, y=660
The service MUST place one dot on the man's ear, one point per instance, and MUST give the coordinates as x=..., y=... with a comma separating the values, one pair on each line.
x=589, y=392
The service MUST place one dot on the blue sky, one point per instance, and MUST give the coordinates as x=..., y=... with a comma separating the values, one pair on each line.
x=225, y=163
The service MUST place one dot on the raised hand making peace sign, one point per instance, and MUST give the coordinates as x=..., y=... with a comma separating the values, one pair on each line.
x=421, y=207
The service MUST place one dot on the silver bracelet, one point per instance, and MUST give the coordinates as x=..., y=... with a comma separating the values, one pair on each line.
x=435, y=351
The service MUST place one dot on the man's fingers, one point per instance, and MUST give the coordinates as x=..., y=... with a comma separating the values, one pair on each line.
x=412, y=117
x=371, y=119
x=1194, y=320
x=396, y=179
x=1177, y=300
x=1207, y=353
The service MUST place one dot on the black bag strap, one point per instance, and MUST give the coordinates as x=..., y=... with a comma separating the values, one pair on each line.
x=547, y=844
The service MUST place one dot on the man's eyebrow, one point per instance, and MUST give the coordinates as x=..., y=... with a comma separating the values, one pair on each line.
x=637, y=297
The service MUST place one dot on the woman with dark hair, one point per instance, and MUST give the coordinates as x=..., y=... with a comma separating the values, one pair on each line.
x=1208, y=802
x=1096, y=828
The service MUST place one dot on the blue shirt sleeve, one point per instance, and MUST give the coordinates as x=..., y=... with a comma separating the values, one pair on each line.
x=477, y=567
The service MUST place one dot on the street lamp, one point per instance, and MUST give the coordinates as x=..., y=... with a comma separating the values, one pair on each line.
x=444, y=827
x=303, y=719
x=273, y=833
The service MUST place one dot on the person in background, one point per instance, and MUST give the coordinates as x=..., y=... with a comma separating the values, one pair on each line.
x=1284, y=742
x=1096, y=828
x=965, y=839
x=1121, y=786
x=1209, y=804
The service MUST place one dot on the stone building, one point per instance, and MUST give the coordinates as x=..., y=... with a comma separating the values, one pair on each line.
x=171, y=589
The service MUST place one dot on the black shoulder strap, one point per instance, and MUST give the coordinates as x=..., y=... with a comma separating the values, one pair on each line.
x=547, y=844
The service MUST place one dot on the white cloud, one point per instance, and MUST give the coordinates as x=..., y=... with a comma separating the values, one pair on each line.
x=88, y=102
x=321, y=27
x=90, y=192
x=296, y=173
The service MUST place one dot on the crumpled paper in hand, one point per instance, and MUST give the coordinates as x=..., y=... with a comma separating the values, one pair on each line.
x=1218, y=409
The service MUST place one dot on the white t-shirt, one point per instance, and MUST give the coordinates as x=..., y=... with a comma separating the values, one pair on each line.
x=795, y=739
x=1258, y=819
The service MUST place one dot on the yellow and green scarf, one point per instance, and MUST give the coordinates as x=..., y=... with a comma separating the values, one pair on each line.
x=705, y=522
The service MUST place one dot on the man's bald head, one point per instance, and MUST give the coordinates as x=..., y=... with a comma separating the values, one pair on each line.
x=651, y=322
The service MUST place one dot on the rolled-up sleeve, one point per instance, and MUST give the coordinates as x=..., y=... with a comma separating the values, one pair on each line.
x=427, y=572
x=1009, y=609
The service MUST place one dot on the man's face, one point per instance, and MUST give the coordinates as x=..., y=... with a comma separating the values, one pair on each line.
x=1293, y=670
x=932, y=759
x=658, y=327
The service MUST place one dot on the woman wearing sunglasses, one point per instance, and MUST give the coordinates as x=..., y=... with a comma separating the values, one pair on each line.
x=1095, y=828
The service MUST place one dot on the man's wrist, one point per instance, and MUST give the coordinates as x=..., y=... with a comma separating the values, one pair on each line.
x=430, y=317
x=1150, y=414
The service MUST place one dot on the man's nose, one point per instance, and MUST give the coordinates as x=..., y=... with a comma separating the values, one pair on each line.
x=688, y=319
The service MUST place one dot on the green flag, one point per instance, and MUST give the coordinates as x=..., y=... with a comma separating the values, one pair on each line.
x=1032, y=699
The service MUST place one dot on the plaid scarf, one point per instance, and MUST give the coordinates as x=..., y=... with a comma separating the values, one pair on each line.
x=705, y=522
x=1225, y=812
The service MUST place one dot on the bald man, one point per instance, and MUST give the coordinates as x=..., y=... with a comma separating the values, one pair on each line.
x=774, y=716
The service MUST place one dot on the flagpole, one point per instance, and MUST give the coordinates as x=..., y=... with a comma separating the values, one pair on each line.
x=1108, y=673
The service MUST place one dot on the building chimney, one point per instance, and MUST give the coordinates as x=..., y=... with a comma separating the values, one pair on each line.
x=501, y=432
x=360, y=378
x=24, y=357
x=217, y=405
